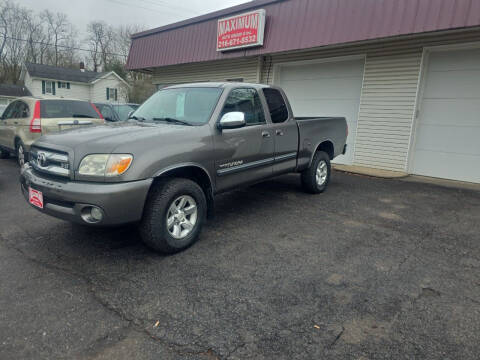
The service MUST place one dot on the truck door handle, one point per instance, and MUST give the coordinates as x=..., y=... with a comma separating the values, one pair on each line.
x=279, y=132
x=265, y=134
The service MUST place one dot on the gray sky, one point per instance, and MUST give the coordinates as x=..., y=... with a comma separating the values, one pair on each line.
x=152, y=13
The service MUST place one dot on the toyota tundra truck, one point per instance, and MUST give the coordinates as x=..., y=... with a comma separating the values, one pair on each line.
x=163, y=167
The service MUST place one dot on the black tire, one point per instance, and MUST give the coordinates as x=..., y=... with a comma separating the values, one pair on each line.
x=153, y=227
x=309, y=176
x=4, y=154
x=20, y=152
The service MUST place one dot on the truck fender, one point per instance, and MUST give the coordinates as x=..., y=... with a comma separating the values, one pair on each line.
x=325, y=145
x=205, y=180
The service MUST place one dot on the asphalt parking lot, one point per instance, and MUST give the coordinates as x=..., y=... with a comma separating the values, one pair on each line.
x=372, y=269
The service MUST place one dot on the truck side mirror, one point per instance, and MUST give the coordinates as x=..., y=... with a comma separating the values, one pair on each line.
x=232, y=120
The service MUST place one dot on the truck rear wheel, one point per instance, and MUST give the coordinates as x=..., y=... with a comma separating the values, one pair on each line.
x=175, y=212
x=316, y=178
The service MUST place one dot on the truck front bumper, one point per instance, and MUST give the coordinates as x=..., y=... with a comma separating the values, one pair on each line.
x=119, y=203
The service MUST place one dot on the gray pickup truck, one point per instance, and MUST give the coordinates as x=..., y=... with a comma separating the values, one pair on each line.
x=185, y=144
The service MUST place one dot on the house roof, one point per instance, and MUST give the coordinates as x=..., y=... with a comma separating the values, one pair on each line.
x=60, y=73
x=14, y=90
x=300, y=24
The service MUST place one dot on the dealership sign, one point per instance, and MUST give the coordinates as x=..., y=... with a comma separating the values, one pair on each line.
x=241, y=31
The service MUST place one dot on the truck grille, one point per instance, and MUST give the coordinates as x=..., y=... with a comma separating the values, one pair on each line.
x=50, y=161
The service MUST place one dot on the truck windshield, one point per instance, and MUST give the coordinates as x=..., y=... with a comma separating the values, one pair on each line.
x=192, y=106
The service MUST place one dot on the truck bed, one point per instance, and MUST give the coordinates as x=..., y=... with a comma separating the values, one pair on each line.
x=313, y=131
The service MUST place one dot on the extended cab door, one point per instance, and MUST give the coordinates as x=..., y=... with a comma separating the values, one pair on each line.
x=284, y=129
x=243, y=155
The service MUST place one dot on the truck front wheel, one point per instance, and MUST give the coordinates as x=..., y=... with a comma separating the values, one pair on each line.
x=316, y=178
x=175, y=212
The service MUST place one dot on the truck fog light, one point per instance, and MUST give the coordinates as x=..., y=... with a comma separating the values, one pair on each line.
x=96, y=213
x=92, y=214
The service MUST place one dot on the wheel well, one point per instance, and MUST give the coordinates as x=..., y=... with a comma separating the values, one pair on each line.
x=195, y=174
x=327, y=147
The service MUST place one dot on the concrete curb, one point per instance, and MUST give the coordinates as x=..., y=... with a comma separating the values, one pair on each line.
x=363, y=170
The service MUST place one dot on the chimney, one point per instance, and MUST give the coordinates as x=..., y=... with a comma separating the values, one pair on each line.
x=82, y=66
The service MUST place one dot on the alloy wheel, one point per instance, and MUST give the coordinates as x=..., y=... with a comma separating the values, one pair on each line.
x=182, y=216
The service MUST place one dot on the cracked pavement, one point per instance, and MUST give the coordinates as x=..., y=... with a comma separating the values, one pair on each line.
x=372, y=269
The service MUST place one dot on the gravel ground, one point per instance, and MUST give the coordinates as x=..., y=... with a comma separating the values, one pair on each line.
x=372, y=269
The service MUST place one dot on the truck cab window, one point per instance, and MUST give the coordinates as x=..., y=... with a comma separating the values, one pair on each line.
x=248, y=102
x=276, y=105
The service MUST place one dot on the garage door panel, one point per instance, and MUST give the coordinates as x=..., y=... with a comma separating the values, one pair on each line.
x=447, y=138
x=458, y=166
x=463, y=140
x=455, y=60
x=328, y=107
x=333, y=88
x=461, y=112
x=325, y=89
x=323, y=70
x=453, y=85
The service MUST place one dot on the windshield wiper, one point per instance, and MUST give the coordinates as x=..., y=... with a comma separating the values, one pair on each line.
x=82, y=116
x=172, y=120
x=138, y=118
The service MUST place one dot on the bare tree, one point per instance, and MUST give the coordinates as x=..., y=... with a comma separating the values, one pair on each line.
x=4, y=22
x=37, y=37
x=60, y=30
x=95, y=32
x=13, y=49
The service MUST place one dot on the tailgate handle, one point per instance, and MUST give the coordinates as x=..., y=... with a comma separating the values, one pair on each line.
x=265, y=134
x=279, y=132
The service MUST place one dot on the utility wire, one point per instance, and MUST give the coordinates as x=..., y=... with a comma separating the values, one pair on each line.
x=165, y=4
x=143, y=7
x=61, y=46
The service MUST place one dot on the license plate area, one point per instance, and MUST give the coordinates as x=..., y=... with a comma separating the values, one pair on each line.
x=35, y=197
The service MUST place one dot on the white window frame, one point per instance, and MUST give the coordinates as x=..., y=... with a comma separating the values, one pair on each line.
x=48, y=84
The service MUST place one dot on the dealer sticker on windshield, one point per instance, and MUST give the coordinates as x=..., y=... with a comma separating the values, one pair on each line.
x=35, y=197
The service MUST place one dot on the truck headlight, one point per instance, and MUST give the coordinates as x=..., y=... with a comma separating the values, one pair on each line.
x=105, y=164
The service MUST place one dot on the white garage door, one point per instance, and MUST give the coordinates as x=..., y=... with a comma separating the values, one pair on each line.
x=447, y=140
x=325, y=89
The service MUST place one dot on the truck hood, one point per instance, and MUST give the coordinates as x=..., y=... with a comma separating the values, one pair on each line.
x=105, y=138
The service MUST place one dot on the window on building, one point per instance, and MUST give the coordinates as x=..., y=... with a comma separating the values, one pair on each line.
x=112, y=94
x=48, y=87
x=246, y=101
x=63, y=85
x=276, y=105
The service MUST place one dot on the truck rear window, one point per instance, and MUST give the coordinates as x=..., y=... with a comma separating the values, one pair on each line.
x=66, y=109
x=276, y=105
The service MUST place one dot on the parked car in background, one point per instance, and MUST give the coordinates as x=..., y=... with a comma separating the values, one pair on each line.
x=2, y=109
x=28, y=118
x=186, y=144
x=116, y=112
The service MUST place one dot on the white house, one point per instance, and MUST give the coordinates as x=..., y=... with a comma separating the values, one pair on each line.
x=53, y=81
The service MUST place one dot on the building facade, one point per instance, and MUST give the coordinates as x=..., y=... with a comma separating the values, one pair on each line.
x=405, y=74
x=51, y=81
